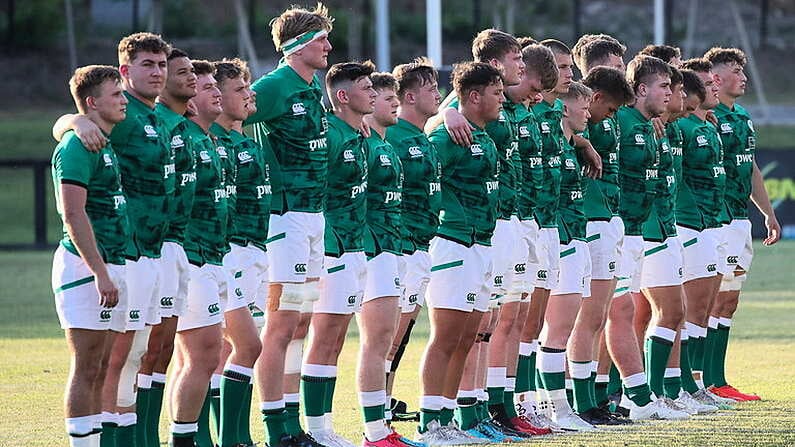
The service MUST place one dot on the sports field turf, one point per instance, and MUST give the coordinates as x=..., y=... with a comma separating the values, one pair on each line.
x=34, y=364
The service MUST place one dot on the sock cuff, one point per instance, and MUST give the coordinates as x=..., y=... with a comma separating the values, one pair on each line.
x=127, y=419
x=159, y=377
x=534, y=345
x=635, y=380
x=431, y=402
x=695, y=331
x=241, y=370
x=603, y=378
x=292, y=398
x=579, y=370
x=272, y=405
x=525, y=349
x=215, y=381
x=464, y=394
x=144, y=381
x=510, y=384
x=109, y=418
x=80, y=426
x=684, y=335
x=712, y=323
x=315, y=370
x=372, y=398
x=495, y=377
x=725, y=322
x=672, y=372
x=663, y=333
x=594, y=366
x=181, y=428
x=482, y=395
x=449, y=404
x=551, y=362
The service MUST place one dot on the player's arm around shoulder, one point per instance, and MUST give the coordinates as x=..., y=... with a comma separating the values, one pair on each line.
x=86, y=130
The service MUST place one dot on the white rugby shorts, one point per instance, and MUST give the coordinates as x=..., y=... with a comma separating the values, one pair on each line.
x=461, y=276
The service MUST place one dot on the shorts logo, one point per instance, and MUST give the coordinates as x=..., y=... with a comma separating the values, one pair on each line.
x=150, y=131
x=542, y=274
x=300, y=268
x=397, y=282
x=298, y=109
x=351, y=300
x=471, y=297
x=135, y=315
x=104, y=315
x=238, y=292
x=680, y=272
x=731, y=259
x=167, y=301
x=611, y=266
x=520, y=268
x=498, y=280
x=214, y=309
x=712, y=268
x=413, y=299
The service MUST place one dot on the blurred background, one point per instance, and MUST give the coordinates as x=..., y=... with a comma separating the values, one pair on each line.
x=41, y=41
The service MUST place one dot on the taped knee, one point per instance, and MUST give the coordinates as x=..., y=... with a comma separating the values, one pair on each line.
x=293, y=356
x=129, y=372
x=732, y=283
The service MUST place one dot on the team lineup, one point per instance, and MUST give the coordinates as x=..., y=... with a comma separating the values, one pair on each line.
x=580, y=246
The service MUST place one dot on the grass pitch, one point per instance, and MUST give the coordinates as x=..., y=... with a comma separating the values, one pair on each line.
x=34, y=365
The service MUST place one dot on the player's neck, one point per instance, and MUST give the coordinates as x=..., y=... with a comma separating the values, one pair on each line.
x=375, y=125
x=472, y=115
x=641, y=107
x=225, y=121
x=203, y=121
x=104, y=125
x=306, y=72
x=727, y=100
x=701, y=113
x=568, y=132
x=237, y=126
x=512, y=94
x=150, y=102
x=414, y=117
x=353, y=118
x=550, y=97
x=177, y=106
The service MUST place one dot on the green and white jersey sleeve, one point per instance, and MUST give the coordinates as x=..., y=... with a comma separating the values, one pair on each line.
x=638, y=169
x=206, y=239
x=549, y=118
x=290, y=112
x=184, y=171
x=251, y=214
x=346, y=208
x=470, y=187
x=602, y=194
x=384, y=196
x=143, y=147
x=700, y=198
x=106, y=205
x=531, y=159
x=739, y=146
x=571, y=212
x=422, y=195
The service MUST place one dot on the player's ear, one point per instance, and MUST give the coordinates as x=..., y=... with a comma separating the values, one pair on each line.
x=124, y=70
x=641, y=90
x=91, y=103
x=565, y=110
x=342, y=96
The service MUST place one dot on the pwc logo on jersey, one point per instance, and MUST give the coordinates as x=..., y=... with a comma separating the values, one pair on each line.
x=358, y=189
x=298, y=109
x=219, y=194
x=393, y=196
x=244, y=157
x=176, y=142
x=514, y=146
x=718, y=171
x=188, y=177
x=651, y=174
x=492, y=186
x=384, y=159
x=107, y=159
x=434, y=187
x=701, y=140
x=169, y=169
x=741, y=159
x=554, y=161
x=476, y=150
x=319, y=143
x=535, y=161
x=150, y=131
x=612, y=158
x=118, y=201
x=726, y=128
x=415, y=152
x=669, y=180
x=640, y=140
x=575, y=195
x=263, y=190
x=676, y=151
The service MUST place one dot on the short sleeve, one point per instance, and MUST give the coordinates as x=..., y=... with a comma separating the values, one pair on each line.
x=267, y=92
x=73, y=163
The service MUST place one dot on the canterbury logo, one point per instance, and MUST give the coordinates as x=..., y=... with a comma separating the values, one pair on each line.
x=611, y=266
x=135, y=315
x=352, y=300
x=498, y=280
x=104, y=315
x=213, y=308
x=300, y=268
x=167, y=301
x=542, y=274
x=712, y=268
x=520, y=268
x=731, y=260
x=413, y=299
x=471, y=297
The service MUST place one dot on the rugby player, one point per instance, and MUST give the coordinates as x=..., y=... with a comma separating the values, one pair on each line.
x=291, y=113
x=88, y=273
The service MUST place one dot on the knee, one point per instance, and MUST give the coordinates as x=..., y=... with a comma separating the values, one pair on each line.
x=672, y=317
x=249, y=350
x=151, y=355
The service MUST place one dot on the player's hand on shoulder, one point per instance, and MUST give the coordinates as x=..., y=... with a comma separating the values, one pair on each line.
x=458, y=127
x=89, y=134
x=593, y=162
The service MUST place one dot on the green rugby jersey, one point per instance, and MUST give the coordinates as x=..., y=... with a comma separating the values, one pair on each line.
x=346, y=207
x=226, y=153
x=470, y=187
x=531, y=160
x=549, y=118
x=739, y=145
x=106, y=206
x=252, y=205
x=290, y=112
x=638, y=166
x=184, y=170
x=384, y=195
x=571, y=211
x=661, y=223
x=602, y=195
x=206, y=240
x=422, y=195
x=142, y=145
x=700, y=196
x=503, y=132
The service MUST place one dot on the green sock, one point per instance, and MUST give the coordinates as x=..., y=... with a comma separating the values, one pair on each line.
x=373, y=413
x=483, y=410
x=142, y=414
x=203, y=438
x=184, y=437
x=234, y=386
x=539, y=380
x=554, y=381
x=532, y=373
x=570, y=395
x=657, y=350
x=581, y=394
x=125, y=435
x=293, y=423
x=640, y=394
x=313, y=392
x=709, y=347
x=614, y=385
x=153, y=415
x=215, y=408
x=688, y=384
x=496, y=398
x=445, y=416
x=108, y=436
x=600, y=393
x=244, y=421
x=523, y=374
x=426, y=417
x=697, y=353
x=328, y=401
x=592, y=388
x=719, y=356
x=507, y=403
x=672, y=386
x=467, y=412
x=274, y=424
